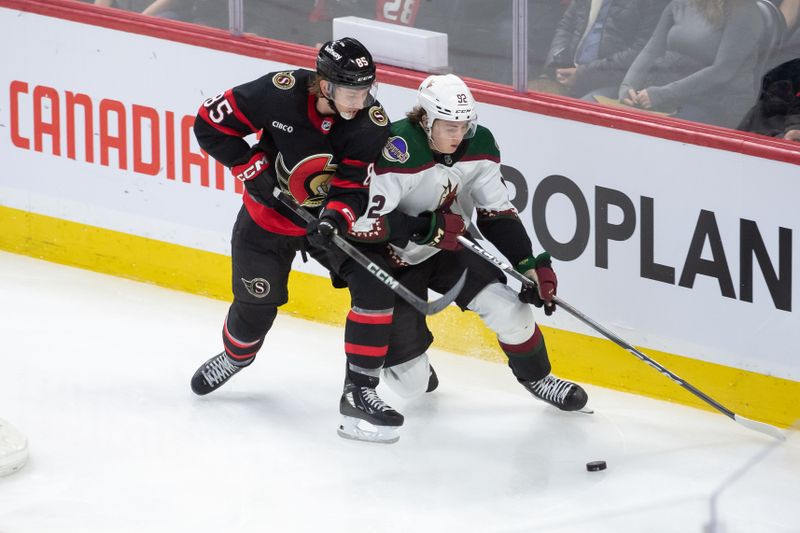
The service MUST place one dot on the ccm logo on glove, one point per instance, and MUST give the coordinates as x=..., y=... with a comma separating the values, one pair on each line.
x=247, y=171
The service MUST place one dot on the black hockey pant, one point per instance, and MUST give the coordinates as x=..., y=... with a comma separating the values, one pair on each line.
x=261, y=262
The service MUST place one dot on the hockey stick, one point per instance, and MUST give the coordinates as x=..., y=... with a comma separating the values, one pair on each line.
x=423, y=306
x=508, y=269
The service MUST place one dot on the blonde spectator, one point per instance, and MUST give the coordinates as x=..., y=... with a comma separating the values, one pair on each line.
x=597, y=40
x=700, y=62
x=791, y=12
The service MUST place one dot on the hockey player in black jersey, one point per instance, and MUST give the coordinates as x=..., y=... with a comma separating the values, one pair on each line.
x=319, y=133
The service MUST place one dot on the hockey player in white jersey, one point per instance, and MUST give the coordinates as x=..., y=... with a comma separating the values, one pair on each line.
x=436, y=170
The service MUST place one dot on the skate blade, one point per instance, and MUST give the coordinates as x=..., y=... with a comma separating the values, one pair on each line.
x=586, y=410
x=357, y=429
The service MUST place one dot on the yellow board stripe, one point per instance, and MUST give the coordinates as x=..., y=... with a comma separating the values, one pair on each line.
x=575, y=356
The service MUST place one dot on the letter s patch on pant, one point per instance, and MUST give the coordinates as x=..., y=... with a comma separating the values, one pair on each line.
x=258, y=287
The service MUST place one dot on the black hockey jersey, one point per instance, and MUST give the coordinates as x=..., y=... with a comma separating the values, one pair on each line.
x=315, y=159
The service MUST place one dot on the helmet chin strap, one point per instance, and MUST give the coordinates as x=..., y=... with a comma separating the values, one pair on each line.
x=431, y=142
x=332, y=104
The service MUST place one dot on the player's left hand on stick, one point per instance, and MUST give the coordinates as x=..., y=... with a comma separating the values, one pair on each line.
x=539, y=269
x=443, y=231
x=320, y=232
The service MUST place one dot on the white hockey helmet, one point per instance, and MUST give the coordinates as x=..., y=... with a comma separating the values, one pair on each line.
x=447, y=97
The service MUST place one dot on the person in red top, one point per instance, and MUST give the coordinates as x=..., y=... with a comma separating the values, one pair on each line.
x=320, y=131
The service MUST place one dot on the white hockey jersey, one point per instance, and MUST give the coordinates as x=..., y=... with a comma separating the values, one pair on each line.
x=408, y=177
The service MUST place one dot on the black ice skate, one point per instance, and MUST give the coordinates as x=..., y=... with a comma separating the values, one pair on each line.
x=213, y=374
x=433, y=380
x=366, y=417
x=560, y=393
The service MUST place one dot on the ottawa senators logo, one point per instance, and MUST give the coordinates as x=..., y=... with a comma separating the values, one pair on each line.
x=283, y=80
x=307, y=181
x=378, y=115
x=258, y=287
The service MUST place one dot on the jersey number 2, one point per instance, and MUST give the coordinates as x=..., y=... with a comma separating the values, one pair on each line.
x=378, y=202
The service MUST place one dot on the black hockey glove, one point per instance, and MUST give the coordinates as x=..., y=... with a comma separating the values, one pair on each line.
x=253, y=173
x=256, y=164
x=539, y=269
x=320, y=232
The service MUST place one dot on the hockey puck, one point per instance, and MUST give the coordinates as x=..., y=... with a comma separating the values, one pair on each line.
x=595, y=466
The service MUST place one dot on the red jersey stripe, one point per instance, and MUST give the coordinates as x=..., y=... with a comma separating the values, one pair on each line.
x=322, y=123
x=364, y=318
x=236, y=342
x=355, y=163
x=369, y=351
x=270, y=219
x=345, y=210
x=346, y=184
x=219, y=127
x=237, y=112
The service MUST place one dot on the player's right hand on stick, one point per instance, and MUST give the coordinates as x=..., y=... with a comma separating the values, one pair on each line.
x=540, y=270
x=256, y=164
x=320, y=232
x=444, y=230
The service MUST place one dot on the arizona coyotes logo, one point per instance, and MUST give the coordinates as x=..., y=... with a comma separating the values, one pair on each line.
x=308, y=181
x=449, y=195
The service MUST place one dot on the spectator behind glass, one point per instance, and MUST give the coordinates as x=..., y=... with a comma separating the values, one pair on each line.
x=204, y=12
x=699, y=65
x=597, y=40
x=129, y=5
x=777, y=112
x=791, y=13
x=790, y=47
x=543, y=21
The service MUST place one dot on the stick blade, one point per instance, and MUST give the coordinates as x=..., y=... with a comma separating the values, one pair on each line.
x=431, y=308
x=761, y=427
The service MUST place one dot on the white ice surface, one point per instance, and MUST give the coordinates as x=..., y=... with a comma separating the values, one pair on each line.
x=95, y=371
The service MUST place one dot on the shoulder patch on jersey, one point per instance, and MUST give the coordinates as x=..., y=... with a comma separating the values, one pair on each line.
x=378, y=115
x=396, y=149
x=283, y=80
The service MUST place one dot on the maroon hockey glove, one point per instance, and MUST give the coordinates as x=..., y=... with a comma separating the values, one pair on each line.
x=256, y=164
x=320, y=232
x=539, y=269
x=443, y=231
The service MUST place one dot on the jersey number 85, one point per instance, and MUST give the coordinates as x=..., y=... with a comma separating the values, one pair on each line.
x=218, y=108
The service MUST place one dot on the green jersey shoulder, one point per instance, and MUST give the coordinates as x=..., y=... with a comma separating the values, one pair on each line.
x=482, y=146
x=407, y=149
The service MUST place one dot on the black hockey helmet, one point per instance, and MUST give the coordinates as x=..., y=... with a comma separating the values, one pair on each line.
x=346, y=62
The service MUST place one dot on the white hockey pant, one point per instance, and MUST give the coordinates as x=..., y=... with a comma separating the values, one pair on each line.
x=410, y=379
x=502, y=312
